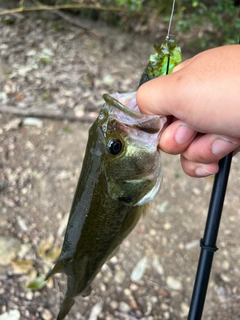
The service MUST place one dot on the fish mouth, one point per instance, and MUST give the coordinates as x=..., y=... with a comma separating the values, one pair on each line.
x=131, y=116
x=111, y=101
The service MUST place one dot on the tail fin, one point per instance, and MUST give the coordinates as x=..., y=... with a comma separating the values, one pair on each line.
x=65, y=308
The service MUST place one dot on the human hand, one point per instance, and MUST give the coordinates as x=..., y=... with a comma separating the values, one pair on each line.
x=201, y=100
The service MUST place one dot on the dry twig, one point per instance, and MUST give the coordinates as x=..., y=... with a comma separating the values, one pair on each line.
x=48, y=114
x=59, y=7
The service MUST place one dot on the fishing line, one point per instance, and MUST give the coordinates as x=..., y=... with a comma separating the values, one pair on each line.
x=168, y=33
x=170, y=21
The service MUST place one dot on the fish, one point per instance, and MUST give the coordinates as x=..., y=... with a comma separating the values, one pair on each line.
x=121, y=173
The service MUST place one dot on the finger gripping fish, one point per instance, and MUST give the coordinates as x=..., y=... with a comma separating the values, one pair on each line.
x=121, y=173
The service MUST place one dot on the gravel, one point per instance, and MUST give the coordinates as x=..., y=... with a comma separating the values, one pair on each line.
x=57, y=66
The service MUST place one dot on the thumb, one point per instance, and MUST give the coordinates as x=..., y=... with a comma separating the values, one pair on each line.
x=182, y=65
x=158, y=96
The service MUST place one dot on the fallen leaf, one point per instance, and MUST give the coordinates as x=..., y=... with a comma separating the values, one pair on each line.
x=139, y=270
x=22, y=266
x=45, y=245
x=54, y=253
x=19, y=96
x=38, y=283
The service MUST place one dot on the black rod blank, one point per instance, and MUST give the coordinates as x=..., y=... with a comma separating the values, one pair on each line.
x=208, y=243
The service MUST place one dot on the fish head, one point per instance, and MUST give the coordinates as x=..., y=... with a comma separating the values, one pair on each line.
x=130, y=159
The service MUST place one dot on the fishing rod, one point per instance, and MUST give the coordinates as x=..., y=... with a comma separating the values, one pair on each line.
x=208, y=242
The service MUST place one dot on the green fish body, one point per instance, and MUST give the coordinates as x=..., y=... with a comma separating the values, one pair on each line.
x=121, y=173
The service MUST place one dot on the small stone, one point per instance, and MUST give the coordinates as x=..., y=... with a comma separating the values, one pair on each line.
x=225, y=277
x=164, y=306
x=114, y=260
x=31, y=52
x=184, y=310
x=124, y=307
x=157, y=266
x=79, y=110
x=167, y=226
x=11, y=315
x=29, y=121
x=134, y=286
x=181, y=245
x=191, y=245
x=153, y=299
x=133, y=304
x=166, y=315
x=163, y=206
x=114, y=305
x=152, y=233
x=108, y=80
x=127, y=292
x=29, y=295
x=196, y=191
x=102, y=287
x=46, y=314
x=226, y=265
x=119, y=276
x=173, y=283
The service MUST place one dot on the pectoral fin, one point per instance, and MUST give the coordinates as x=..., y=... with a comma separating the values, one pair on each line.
x=58, y=268
x=87, y=291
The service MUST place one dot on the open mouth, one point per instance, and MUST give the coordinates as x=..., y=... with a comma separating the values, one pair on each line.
x=128, y=113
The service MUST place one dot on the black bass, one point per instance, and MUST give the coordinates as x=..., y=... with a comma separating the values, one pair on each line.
x=121, y=173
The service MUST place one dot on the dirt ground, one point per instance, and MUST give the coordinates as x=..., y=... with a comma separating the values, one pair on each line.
x=51, y=64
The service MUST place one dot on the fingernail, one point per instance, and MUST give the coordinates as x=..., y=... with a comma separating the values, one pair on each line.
x=184, y=134
x=202, y=172
x=221, y=147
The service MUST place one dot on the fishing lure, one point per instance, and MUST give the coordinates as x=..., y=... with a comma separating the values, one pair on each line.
x=167, y=56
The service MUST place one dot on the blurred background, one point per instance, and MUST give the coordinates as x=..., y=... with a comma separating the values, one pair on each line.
x=57, y=58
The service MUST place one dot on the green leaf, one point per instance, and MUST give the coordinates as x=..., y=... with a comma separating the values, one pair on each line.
x=38, y=283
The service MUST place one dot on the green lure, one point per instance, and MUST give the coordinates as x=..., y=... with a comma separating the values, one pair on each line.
x=167, y=56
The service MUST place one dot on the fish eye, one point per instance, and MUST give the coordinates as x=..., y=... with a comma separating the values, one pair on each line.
x=114, y=146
